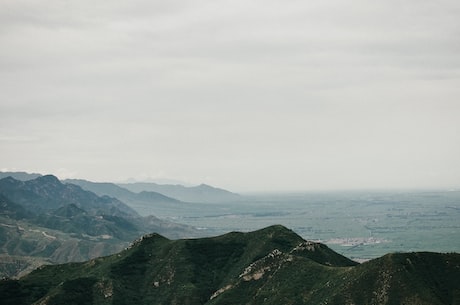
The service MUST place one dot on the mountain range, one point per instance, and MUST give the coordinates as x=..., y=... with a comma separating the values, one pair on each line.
x=269, y=266
x=43, y=220
x=22, y=176
x=78, y=236
x=144, y=191
x=202, y=193
x=145, y=202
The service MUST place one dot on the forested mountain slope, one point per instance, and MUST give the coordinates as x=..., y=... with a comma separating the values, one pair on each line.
x=269, y=266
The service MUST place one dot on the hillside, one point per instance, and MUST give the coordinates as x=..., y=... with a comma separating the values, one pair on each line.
x=45, y=221
x=145, y=202
x=270, y=266
x=202, y=193
x=47, y=193
x=22, y=176
x=113, y=190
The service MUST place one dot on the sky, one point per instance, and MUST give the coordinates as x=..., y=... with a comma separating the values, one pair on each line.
x=245, y=95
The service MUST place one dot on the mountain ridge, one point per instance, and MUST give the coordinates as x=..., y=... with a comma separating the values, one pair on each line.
x=46, y=193
x=272, y=266
x=43, y=219
x=202, y=193
x=145, y=203
x=114, y=190
x=22, y=176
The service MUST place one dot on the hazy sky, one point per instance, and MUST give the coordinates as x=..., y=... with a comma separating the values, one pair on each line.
x=244, y=95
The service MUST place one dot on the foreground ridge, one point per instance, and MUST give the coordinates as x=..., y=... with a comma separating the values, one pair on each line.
x=273, y=265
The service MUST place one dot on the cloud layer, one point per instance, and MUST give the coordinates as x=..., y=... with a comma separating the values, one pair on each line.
x=248, y=95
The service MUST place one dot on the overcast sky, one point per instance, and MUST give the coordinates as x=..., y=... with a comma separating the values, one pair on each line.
x=244, y=95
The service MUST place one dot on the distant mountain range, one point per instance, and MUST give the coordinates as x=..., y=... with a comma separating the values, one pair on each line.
x=145, y=203
x=45, y=220
x=113, y=190
x=146, y=191
x=269, y=266
x=22, y=176
x=201, y=194
x=47, y=193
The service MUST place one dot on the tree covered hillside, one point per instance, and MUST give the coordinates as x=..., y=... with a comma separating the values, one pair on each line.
x=269, y=266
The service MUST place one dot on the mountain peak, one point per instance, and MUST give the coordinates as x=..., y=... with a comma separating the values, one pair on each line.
x=48, y=179
x=10, y=180
x=202, y=193
x=239, y=268
x=22, y=176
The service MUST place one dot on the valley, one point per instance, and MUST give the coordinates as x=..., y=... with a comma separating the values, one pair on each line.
x=44, y=221
x=272, y=265
x=361, y=225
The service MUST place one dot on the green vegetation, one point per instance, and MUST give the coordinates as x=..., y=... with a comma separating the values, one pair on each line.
x=269, y=266
x=44, y=220
x=359, y=225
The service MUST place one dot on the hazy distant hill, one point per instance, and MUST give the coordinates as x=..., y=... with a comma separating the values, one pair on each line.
x=45, y=220
x=47, y=193
x=23, y=176
x=159, y=192
x=145, y=203
x=270, y=266
x=202, y=193
x=113, y=190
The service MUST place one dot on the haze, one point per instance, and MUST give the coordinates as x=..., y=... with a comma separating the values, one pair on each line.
x=245, y=95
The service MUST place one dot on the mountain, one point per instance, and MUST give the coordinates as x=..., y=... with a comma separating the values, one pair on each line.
x=163, y=192
x=269, y=266
x=44, y=220
x=22, y=176
x=12, y=210
x=113, y=190
x=201, y=194
x=47, y=193
x=145, y=203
